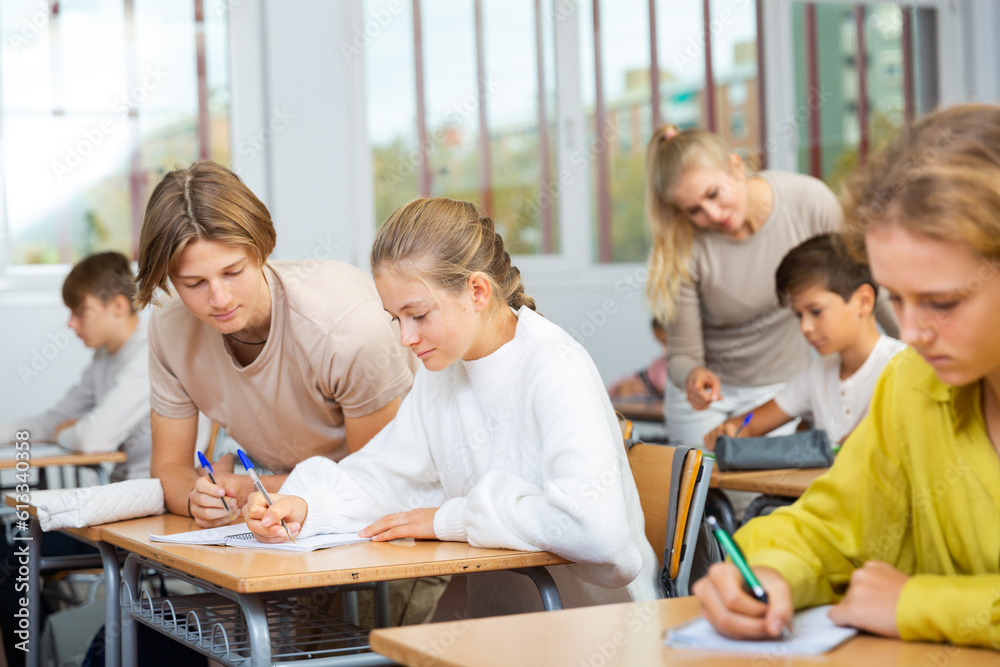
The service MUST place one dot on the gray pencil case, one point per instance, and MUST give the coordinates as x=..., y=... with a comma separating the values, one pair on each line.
x=806, y=449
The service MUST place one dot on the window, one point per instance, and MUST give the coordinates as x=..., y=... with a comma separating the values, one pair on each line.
x=443, y=75
x=81, y=152
x=858, y=86
x=462, y=104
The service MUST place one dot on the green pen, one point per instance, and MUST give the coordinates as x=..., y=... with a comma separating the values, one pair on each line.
x=733, y=551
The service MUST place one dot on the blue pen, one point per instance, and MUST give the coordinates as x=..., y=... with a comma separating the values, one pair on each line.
x=208, y=466
x=248, y=464
x=746, y=420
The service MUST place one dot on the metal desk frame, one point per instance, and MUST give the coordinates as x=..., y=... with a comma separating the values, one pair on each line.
x=254, y=630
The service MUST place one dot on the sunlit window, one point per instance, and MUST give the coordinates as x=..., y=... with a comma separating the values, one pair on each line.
x=99, y=99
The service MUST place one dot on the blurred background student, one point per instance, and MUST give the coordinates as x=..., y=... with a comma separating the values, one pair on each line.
x=833, y=298
x=107, y=410
x=719, y=233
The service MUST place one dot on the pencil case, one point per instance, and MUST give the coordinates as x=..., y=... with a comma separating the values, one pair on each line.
x=806, y=449
x=94, y=505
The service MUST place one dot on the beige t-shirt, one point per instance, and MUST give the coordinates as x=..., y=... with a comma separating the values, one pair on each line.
x=332, y=352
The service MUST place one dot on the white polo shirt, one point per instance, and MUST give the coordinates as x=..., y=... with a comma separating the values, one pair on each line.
x=834, y=405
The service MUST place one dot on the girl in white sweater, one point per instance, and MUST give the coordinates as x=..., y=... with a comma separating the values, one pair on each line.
x=507, y=439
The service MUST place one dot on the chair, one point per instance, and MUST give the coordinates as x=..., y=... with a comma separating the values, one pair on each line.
x=672, y=484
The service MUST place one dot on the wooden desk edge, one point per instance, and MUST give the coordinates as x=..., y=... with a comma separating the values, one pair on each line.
x=67, y=460
x=286, y=582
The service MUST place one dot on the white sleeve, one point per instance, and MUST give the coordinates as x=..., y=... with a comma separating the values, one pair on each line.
x=394, y=472
x=107, y=425
x=42, y=428
x=579, y=511
x=795, y=400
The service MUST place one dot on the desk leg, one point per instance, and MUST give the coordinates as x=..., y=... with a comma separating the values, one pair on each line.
x=257, y=629
x=129, y=632
x=112, y=605
x=382, y=604
x=33, y=659
x=546, y=586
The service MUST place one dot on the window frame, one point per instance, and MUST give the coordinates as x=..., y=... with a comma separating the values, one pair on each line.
x=779, y=54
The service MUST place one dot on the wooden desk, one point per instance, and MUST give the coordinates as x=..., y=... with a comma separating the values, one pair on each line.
x=48, y=455
x=644, y=410
x=626, y=635
x=792, y=482
x=242, y=575
x=244, y=570
x=108, y=559
x=66, y=458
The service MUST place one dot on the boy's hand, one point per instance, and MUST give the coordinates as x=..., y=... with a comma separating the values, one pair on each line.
x=872, y=596
x=69, y=423
x=206, y=502
x=734, y=612
x=265, y=522
x=728, y=427
x=415, y=523
x=702, y=387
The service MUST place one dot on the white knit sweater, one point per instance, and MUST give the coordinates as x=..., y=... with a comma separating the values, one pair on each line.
x=518, y=450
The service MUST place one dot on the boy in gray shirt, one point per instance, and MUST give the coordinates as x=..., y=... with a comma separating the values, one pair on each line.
x=108, y=409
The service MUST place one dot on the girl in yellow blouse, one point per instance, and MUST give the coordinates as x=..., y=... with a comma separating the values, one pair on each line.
x=903, y=533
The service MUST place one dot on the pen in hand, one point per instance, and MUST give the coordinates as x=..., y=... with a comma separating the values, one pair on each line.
x=732, y=550
x=746, y=420
x=208, y=468
x=260, y=487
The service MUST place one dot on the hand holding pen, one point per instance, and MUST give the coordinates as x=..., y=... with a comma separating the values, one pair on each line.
x=741, y=602
x=248, y=464
x=211, y=476
x=746, y=420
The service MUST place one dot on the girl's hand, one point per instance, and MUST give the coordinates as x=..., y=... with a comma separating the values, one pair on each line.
x=703, y=386
x=265, y=522
x=872, y=596
x=728, y=427
x=415, y=523
x=734, y=612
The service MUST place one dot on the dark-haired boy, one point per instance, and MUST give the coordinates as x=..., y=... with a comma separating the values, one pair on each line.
x=108, y=409
x=833, y=297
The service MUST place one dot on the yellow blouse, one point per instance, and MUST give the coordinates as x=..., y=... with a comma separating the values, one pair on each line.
x=917, y=485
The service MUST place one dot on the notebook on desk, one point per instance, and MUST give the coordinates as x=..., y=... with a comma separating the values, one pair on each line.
x=812, y=633
x=238, y=536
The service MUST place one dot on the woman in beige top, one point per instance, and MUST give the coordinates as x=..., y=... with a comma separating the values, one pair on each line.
x=293, y=359
x=718, y=237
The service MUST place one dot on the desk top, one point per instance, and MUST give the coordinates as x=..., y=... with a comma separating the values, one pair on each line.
x=640, y=409
x=90, y=533
x=260, y=570
x=792, y=483
x=48, y=454
x=627, y=635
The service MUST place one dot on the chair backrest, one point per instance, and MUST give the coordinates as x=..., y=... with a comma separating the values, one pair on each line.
x=672, y=484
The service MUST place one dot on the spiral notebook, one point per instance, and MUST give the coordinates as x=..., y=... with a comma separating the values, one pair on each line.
x=239, y=536
x=812, y=633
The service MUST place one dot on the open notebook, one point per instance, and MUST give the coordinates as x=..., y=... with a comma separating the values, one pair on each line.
x=812, y=632
x=238, y=536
